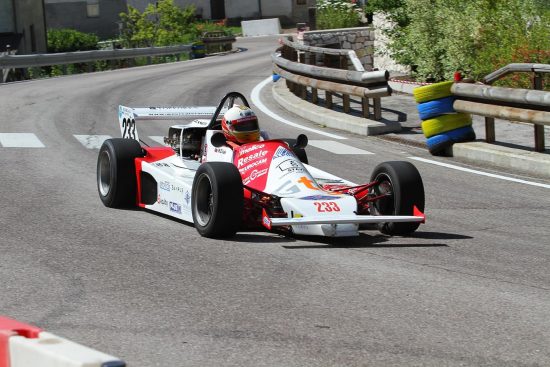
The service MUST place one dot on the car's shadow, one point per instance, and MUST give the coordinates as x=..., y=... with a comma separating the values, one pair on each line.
x=364, y=240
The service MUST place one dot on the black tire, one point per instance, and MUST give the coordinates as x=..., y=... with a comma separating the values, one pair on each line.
x=298, y=152
x=404, y=184
x=217, y=200
x=116, y=172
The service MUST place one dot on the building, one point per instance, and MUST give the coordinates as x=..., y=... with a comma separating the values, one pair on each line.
x=102, y=17
x=22, y=26
x=91, y=16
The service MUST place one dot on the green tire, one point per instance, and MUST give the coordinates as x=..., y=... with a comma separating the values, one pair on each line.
x=432, y=91
x=444, y=123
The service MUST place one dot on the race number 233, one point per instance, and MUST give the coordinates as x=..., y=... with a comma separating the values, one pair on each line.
x=129, y=126
x=326, y=206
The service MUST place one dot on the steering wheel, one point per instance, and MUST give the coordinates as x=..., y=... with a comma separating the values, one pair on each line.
x=229, y=98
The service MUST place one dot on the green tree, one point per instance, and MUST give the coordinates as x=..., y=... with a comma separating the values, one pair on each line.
x=69, y=40
x=439, y=37
x=333, y=14
x=161, y=24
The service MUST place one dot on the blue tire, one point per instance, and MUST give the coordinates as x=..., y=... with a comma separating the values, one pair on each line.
x=438, y=144
x=462, y=134
x=428, y=110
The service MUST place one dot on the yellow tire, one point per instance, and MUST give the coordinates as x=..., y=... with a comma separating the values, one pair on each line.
x=432, y=91
x=444, y=123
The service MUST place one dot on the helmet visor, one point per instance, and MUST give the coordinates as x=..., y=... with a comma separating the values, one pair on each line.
x=247, y=125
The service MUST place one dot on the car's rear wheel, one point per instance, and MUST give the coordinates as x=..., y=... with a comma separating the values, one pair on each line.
x=116, y=174
x=402, y=186
x=217, y=200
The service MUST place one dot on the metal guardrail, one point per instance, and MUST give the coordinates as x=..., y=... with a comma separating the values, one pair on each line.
x=215, y=41
x=327, y=69
x=524, y=105
x=37, y=60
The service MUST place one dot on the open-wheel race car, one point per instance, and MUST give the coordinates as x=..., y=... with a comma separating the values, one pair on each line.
x=223, y=186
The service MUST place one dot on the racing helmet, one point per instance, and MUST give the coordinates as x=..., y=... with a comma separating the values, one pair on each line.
x=240, y=125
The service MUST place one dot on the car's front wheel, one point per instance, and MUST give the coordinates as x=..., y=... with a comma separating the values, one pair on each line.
x=116, y=173
x=401, y=185
x=217, y=201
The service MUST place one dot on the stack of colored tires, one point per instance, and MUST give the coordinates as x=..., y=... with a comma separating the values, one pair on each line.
x=441, y=124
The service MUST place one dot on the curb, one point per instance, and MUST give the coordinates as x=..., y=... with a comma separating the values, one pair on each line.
x=329, y=118
x=523, y=161
x=23, y=345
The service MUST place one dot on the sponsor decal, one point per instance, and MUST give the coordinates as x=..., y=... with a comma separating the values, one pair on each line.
x=254, y=175
x=284, y=189
x=175, y=207
x=164, y=185
x=177, y=188
x=161, y=201
x=246, y=150
x=220, y=150
x=266, y=222
x=187, y=198
x=161, y=164
x=289, y=166
x=319, y=197
x=252, y=165
x=251, y=157
x=282, y=152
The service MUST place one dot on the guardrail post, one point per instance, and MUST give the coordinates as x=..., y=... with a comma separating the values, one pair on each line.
x=489, y=129
x=539, y=129
x=328, y=95
x=377, y=104
x=365, y=107
x=312, y=61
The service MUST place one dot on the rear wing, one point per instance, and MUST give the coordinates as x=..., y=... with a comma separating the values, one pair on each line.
x=127, y=116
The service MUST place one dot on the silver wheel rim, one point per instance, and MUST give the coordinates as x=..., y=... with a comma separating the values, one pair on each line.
x=204, y=199
x=104, y=174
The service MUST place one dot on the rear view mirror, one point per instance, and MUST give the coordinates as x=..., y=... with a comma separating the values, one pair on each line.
x=218, y=140
x=301, y=142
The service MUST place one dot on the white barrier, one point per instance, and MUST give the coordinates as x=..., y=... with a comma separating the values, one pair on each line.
x=23, y=345
x=262, y=27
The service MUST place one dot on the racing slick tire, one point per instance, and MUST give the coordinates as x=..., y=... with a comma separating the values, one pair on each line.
x=298, y=152
x=217, y=200
x=116, y=172
x=402, y=184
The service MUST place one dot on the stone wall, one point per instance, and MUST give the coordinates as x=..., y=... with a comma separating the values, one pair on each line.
x=381, y=59
x=360, y=40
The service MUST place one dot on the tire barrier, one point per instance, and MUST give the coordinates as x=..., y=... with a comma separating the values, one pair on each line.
x=23, y=345
x=198, y=50
x=432, y=91
x=441, y=124
x=430, y=109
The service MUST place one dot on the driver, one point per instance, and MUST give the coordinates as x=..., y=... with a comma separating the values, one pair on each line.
x=240, y=125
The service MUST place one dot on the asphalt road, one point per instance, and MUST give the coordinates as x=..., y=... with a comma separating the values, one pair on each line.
x=470, y=288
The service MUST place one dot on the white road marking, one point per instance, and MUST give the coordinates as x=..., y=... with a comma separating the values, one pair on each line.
x=92, y=141
x=20, y=140
x=464, y=169
x=158, y=139
x=337, y=147
x=255, y=97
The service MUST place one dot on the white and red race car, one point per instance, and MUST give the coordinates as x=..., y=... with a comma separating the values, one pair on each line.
x=224, y=188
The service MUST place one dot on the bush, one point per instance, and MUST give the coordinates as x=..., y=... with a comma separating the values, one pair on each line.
x=69, y=40
x=333, y=14
x=438, y=37
x=162, y=24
